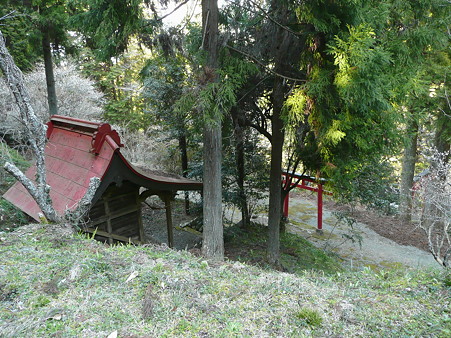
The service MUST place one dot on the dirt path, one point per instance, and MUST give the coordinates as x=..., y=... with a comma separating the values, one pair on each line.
x=373, y=231
x=340, y=238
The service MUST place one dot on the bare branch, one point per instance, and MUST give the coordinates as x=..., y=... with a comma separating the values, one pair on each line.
x=260, y=129
x=265, y=67
x=265, y=14
x=431, y=200
x=35, y=132
x=84, y=204
x=41, y=199
x=176, y=8
x=8, y=16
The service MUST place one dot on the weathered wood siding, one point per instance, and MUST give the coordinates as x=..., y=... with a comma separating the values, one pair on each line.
x=117, y=212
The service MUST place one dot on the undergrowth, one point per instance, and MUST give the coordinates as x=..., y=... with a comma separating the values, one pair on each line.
x=55, y=283
x=10, y=216
x=296, y=253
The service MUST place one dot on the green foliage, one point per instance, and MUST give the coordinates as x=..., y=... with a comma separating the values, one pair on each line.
x=217, y=98
x=256, y=169
x=329, y=16
x=363, y=58
x=362, y=77
x=297, y=254
x=24, y=28
x=447, y=278
x=309, y=317
x=40, y=301
x=10, y=216
x=362, y=82
x=52, y=17
x=119, y=82
x=373, y=184
x=21, y=37
x=163, y=79
x=108, y=25
x=295, y=107
x=335, y=116
x=177, y=89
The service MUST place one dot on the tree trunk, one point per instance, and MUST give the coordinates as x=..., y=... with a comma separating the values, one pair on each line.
x=408, y=170
x=275, y=183
x=213, y=242
x=49, y=76
x=184, y=158
x=283, y=219
x=282, y=42
x=238, y=132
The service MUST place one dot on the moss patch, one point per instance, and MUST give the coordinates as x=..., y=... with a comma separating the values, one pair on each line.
x=303, y=209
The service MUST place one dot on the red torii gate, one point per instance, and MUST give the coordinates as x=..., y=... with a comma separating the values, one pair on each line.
x=302, y=179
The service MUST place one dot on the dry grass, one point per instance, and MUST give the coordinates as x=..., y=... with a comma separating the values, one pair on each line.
x=53, y=282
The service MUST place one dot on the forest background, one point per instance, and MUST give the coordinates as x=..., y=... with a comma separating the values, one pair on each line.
x=352, y=91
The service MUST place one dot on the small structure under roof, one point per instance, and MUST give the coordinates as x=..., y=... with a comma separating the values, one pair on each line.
x=78, y=150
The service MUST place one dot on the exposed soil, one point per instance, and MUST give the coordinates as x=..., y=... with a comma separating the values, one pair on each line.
x=155, y=228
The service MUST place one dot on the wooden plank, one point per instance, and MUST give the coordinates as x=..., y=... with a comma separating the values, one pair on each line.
x=108, y=223
x=140, y=220
x=125, y=202
x=113, y=215
x=112, y=236
x=126, y=229
x=167, y=203
x=113, y=192
x=191, y=230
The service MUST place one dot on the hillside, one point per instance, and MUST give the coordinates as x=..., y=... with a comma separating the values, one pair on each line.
x=56, y=283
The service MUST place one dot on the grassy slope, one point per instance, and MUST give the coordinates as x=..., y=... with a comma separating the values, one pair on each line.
x=54, y=282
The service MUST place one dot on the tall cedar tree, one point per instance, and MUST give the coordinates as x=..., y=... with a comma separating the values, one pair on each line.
x=213, y=242
x=277, y=131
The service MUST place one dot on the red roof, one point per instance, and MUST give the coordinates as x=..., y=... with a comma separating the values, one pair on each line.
x=76, y=151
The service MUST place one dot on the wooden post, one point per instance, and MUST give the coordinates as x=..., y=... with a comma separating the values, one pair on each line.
x=140, y=220
x=109, y=229
x=167, y=203
x=320, y=207
x=286, y=203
